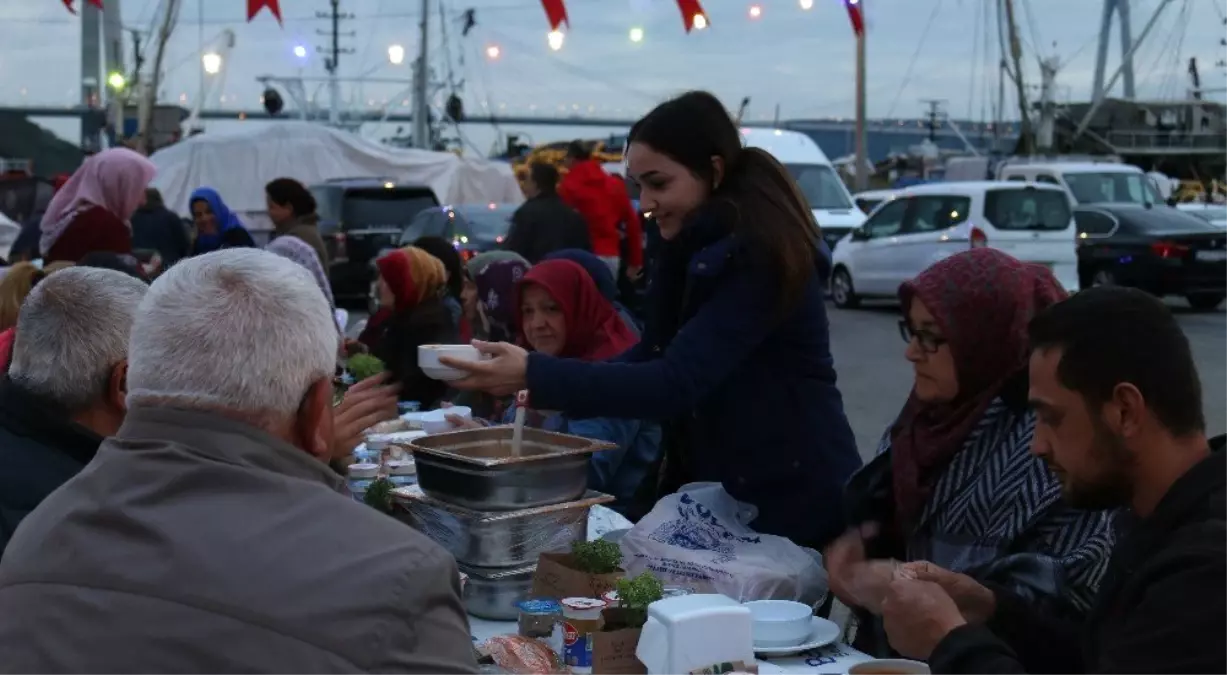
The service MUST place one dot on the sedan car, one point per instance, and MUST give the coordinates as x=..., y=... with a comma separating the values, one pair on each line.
x=1156, y=248
x=1215, y=214
x=472, y=228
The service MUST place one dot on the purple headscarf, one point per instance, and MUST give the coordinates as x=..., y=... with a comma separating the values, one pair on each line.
x=495, y=290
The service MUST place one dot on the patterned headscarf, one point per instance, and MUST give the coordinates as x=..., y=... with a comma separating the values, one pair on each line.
x=114, y=179
x=496, y=284
x=301, y=252
x=982, y=300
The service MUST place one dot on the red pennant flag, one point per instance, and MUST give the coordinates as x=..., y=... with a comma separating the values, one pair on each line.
x=556, y=13
x=68, y=4
x=691, y=9
x=856, y=15
x=254, y=7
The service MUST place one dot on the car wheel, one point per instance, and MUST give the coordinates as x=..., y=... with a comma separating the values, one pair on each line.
x=842, y=291
x=1103, y=277
x=1205, y=302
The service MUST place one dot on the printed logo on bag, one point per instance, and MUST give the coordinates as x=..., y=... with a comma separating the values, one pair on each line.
x=698, y=529
x=569, y=635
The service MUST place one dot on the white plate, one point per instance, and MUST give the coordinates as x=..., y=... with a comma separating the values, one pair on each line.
x=821, y=634
x=443, y=373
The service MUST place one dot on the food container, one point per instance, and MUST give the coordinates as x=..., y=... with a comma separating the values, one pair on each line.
x=779, y=623
x=475, y=468
x=538, y=617
x=611, y=599
x=361, y=476
x=392, y=445
x=495, y=594
x=498, y=538
x=402, y=472
x=581, y=618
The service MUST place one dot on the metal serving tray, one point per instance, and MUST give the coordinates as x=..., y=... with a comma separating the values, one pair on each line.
x=497, y=538
x=474, y=468
x=493, y=593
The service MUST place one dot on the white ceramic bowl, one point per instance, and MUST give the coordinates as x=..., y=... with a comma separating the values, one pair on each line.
x=779, y=623
x=428, y=360
x=889, y=667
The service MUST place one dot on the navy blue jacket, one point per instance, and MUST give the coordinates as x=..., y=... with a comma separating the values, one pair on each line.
x=751, y=390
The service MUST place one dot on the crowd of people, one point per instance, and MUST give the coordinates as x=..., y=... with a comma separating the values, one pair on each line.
x=171, y=457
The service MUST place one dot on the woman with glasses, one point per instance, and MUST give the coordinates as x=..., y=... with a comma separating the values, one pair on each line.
x=954, y=482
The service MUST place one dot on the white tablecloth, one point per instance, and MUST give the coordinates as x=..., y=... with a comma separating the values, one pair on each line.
x=836, y=658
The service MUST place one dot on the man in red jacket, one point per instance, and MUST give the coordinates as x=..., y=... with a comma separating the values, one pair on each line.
x=602, y=200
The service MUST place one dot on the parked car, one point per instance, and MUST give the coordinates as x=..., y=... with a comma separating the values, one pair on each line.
x=1087, y=182
x=1215, y=214
x=472, y=228
x=1161, y=250
x=8, y=234
x=927, y=223
x=869, y=200
x=359, y=217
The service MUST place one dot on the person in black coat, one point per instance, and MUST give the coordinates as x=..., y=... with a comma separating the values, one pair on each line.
x=544, y=223
x=411, y=288
x=157, y=228
x=1120, y=428
x=735, y=353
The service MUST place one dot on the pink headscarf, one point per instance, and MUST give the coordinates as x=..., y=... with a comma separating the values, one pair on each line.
x=114, y=179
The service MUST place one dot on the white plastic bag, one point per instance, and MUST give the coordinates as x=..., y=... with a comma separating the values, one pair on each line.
x=698, y=538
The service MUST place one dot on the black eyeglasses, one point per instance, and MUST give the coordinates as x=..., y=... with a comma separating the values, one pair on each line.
x=929, y=342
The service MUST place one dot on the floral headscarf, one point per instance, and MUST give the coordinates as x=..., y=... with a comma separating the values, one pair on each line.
x=496, y=284
x=301, y=252
x=982, y=300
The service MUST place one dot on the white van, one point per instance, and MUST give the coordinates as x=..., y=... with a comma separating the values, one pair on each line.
x=828, y=197
x=1088, y=182
x=927, y=223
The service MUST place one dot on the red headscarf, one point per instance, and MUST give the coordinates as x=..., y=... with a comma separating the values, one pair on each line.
x=595, y=331
x=982, y=300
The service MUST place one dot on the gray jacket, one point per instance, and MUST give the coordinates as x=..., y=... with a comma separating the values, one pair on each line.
x=195, y=543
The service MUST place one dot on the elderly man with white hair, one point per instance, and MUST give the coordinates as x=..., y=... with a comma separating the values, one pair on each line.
x=209, y=534
x=65, y=387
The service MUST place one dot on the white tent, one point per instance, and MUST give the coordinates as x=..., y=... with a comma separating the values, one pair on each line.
x=238, y=165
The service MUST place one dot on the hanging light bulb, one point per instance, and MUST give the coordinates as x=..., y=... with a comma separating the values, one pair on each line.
x=756, y=11
x=700, y=22
x=493, y=52
x=807, y=4
x=636, y=34
x=555, y=39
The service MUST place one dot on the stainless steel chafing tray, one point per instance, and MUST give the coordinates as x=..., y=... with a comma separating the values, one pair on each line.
x=475, y=468
x=497, y=539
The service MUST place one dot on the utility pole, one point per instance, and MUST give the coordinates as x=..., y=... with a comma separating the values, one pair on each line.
x=862, y=173
x=421, y=84
x=1026, y=137
x=935, y=116
x=333, y=57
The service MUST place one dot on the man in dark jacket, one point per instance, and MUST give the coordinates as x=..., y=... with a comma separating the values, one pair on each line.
x=545, y=224
x=65, y=389
x=1120, y=428
x=157, y=228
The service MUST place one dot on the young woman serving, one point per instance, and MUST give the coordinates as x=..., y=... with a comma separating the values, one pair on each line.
x=735, y=354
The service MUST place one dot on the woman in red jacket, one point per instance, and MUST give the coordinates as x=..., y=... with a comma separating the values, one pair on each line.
x=90, y=213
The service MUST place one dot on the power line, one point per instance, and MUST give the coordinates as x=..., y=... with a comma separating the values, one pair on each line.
x=907, y=74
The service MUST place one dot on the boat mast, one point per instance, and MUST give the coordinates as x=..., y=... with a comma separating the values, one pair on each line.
x=1002, y=71
x=1026, y=137
x=421, y=84
x=150, y=98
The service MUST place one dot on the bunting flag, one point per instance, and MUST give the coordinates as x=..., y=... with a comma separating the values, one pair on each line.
x=690, y=10
x=555, y=13
x=96, y=3
x=254, y=7
x=856, y=15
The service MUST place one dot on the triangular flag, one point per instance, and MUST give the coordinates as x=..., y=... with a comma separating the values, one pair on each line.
x=555, y=13
x=68, y=4
x=856, y=14
x=691, y=11
x=254, y=7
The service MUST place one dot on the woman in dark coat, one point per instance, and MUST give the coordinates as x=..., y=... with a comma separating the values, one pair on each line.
x=735, y=354
x=217, y=227
x=411, y=287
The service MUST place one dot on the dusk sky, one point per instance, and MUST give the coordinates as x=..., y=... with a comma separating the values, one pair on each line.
x=801, y=60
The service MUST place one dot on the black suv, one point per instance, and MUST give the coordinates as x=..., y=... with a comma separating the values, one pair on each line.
x=359, y=217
